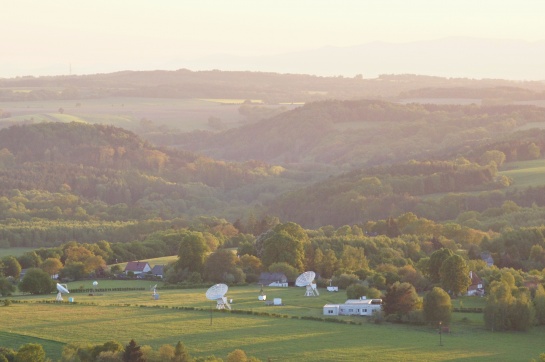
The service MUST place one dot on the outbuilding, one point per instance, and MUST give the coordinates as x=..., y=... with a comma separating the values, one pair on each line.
x=363, y=307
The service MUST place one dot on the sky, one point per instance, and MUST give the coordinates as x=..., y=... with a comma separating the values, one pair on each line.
x=84, y=37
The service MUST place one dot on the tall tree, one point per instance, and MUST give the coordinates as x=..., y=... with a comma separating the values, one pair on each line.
x=12, y=268
x=181, y=354
x=221, y=266
x=455, y=275
x=281, y=246
x=437, y=306
x=192, y=252
x=436, y=261
x=51, y=266
x=133, y=353
x=36, y=281
x=6, y=288
x=400, y=299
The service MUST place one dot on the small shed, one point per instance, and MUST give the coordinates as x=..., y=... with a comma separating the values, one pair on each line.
x=363, y=307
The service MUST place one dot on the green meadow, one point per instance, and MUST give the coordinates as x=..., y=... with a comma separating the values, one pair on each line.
x=16, y=252
x=525, y=173
x=278, y=333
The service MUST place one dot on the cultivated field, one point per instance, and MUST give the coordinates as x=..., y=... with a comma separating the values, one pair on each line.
x=181, y=114
x=263, y=331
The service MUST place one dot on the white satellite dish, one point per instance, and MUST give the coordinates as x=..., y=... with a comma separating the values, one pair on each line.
x=217, y=293
x=306, y=280
x=61, y=288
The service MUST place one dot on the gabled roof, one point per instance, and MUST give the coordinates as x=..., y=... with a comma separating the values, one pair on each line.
x=268, y=278
x=136, y=266
x=475, y=279
x=158, y=270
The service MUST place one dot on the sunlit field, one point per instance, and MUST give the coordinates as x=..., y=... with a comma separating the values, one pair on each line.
x=181, y=114
x=525, y=173
x=16, y=252
x=275, y=332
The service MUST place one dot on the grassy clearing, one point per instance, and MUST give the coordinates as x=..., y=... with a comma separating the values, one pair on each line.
x=525, y=173
x=16, y=252
x=157, y=322
x=153, y=261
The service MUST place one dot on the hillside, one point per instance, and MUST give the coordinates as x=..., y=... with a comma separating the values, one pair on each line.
x=363, y=133
x=102, y=167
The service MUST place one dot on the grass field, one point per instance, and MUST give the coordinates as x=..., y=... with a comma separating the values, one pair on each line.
x=284, y=337
x=154, y=261
x=13, y=251
x=182, y=114
x=525, y=173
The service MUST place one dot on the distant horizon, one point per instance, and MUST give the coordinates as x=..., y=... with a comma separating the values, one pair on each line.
x=71, y=37
x=249, y=63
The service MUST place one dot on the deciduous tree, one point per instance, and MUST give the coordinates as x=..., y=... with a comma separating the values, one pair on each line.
x=437, y=306
x=400, y=299
x=454, y=274
x=36, y=281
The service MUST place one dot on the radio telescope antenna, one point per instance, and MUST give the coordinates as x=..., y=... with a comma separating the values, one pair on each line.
x=217, y=293
x=306, y=280
x=61, y=288
x=154, y=295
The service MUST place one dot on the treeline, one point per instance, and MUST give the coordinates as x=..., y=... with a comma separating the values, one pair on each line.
x=271, y=87
x=502, y=93
x=113, y=351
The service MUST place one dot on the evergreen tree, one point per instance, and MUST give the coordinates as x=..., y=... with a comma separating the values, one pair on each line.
x=133, y=353
x=181, y=354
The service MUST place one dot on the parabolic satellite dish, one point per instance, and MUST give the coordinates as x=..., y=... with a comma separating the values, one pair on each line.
x=61, y=288
x=305, y=280
x=217, y=293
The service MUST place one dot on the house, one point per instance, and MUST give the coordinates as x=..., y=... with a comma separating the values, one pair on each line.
x=273, y=280
x=158, y=271
x=363, y=307
x=137, y=267
x=476, y=286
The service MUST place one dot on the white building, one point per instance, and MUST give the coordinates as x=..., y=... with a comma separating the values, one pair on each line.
x=365, y=307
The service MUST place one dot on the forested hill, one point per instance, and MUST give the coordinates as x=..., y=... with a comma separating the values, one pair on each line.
x=363, y=133
x=114, y=166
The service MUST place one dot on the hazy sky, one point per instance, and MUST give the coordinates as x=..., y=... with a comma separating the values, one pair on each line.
x=47, y=37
